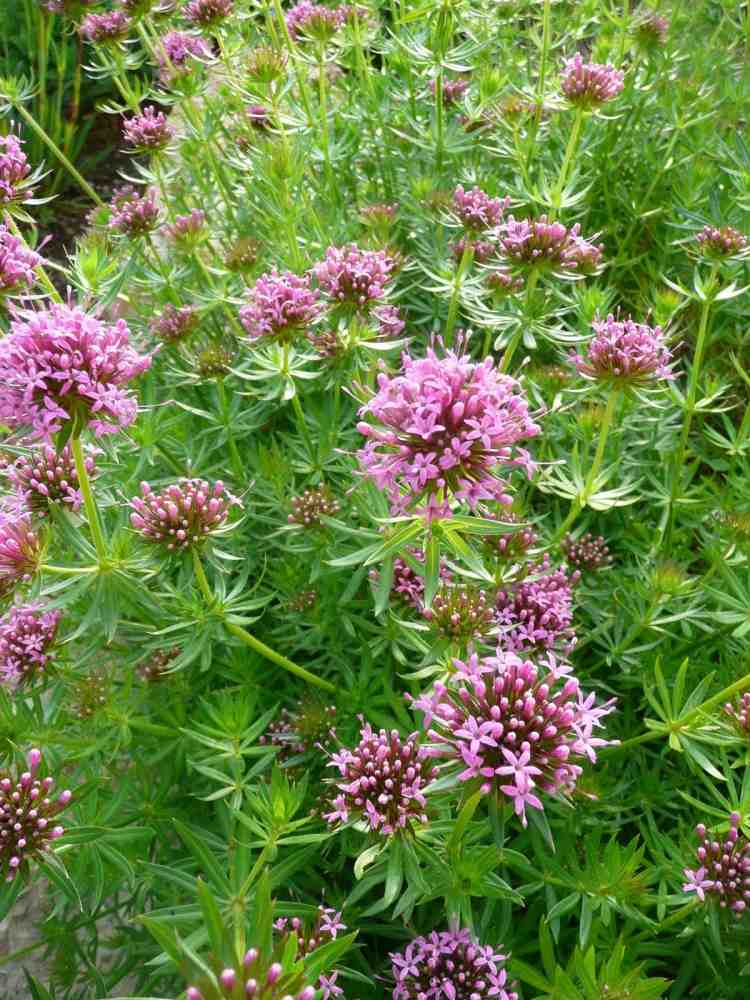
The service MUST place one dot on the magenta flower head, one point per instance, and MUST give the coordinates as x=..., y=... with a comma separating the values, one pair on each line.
x=189, y=230
x=651, y=29
x=407, y=586
x=182, y=515
x=257, y=977
x=536, y=243
x=27, y=815
x=461, y=614
x=515, y=544
x=133, y=214
x=476, y=211
x=391, y=323
x=513, y=728
x=739, y=714
x=442, y=429
x=310, y=506
x=17, y=264
x=21, y=548
x=315, y=21
x=481, y=250
x=15, y=183
x=148, y=131
x=62, y=364
x=354, y=277
x=453, y=90
x=176, y=323
x=589, y=85
x=178, y=51
x=625, y=352
x=721, y=242
x=381, y=782
x=46, y=477
x=723, y=872
x=280, y=306
x=109, y=28
x=207, y=13
x=449, y=964
x=537, y=613
x=27, y=635
x=587, y=552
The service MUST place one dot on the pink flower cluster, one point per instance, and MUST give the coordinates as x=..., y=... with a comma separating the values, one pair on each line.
x=383, y=781
x=280, y=306
x=516, y=729
x=14, y=171
x=408, y=584
x=444, y=427
x=587, y=552
x=46, y=476
x=624, y=351
x=27, y=634
x=133, y=214
x=310, y=506
x=723, y=872
x=17, y=264
x=60, y=363
x=449, y=964
x=20, y=549
x=178, y=50
x=739, y=714
x=175, y=323
x=26, y=815
x=188, y=230
x=112, y=26
x=651, y=28
x=460, y=614
x=453, y=90
x=481, y=250
x=532, y=243
x=476, y=211
x=255, y=980
x=206, y=13
x=149, y=130
x=183, y=514
x=354, y=277
x=590, y=84
x=515, y=544
x=720, y=241
x=537, y=613
x=327, y=925
x=316, y=20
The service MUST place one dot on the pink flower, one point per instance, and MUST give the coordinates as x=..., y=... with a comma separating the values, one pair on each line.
x=590, y=84
x=27, y=634
x=315, y=20
x=112, y=26
x=537, y=243
x=45, y=477
x=626, y=352
x=21, y=548
x=149, y=130
x=354, y=277
x=14, y=171
x=183, y=514
x=280, y=306
x=178, y=51
x=723, y=873
x=207, y=13
x=17, y=264
x=133, y=214
x=720, y=242
x=176, y=323
x=538, y=610
x=453, y=90
x=476, y=211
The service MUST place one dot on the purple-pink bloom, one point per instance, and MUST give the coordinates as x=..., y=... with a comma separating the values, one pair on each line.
x=651, y=28
x=133, y=214
x=538, y=243
x=537, y=612
x=739, y=714
x=61, y=363
x=148, y=130
x=177, y=51
x=407, y=584
x=21, y=547
x=382, y=781
x=354, y=277
x=515, y=544
x=719, y=242
x=477, y=211
x=453, y=90
x=442, y=430
x=188, y=230
x=207, y=13
x=17, y=264
x=281, y=306
x=46, y=476
x=26, y=817
x=449, y=965
x=14, y=171
x=112, y=26
x=587, y=552
x=390, y=321
x=513, y=727
x=723, y=873
x=175, y=323
x=259, y=116
x=315, y=20
x=624, y=351
x=182, y=515
x=590, y=85
x=27, y=635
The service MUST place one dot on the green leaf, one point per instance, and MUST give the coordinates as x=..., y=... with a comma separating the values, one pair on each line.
x=205, y=858
x=211, y=918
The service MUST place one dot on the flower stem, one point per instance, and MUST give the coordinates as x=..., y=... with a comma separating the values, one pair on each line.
x=302, y=425
x=439, y=118
x=515, y=340
x=542, y=80
x=570, y=151
x=323, y=104
x=89, y=502
x=450, y=323
x=233, y=450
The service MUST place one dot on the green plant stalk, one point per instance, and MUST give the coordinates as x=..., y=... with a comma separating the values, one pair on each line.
x=439, y=119
x=92, y=513
x=324, y=128
x=301, y=83
x=624, y=31
x=68, y=570
x=42, y=57
x=570, y=151
x=580, y=502
x=450, y=323
x=541, y=82
x=515, y=340
x=302, y=425
x=58, y=153
x=233, y=450
x=260, y=647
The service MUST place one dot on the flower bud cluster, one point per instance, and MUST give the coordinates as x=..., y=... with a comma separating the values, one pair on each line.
x=181, y=515
x=723, y=872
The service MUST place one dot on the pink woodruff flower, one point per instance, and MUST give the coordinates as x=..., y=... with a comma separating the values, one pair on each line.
x=481, y=250
x=476, y=211
x=310, y=506
x=207, y=13
x=27, y=634
x=183, y=514
x=739, y=714
x=113, y=26
x=21, y=549
x=502, y=722
x=150, y=130
x=589, y=85
x=720, y=242
x=382, y=781
x=177, y=53
x=188, y=230
x=537, y=243
x=449, y=964
x=45, y=477
x=26, y=817
x=515, y=544
x=315, y=20
x=453, y=90
x=537, y=613
x=625, y=352
x=176, y=323
x=326, y=928
x=586, y=552
x=354, y=277
x=444, y=427
x=133, y=214
x=379, y=215
x=390, y=321
x=257, y=979
x=14, y=171
x=503, y=284
x=461, y=614
x=60, y=364
x=280, y=307
x=17, y=264
x=723, y=874
x=651, y=28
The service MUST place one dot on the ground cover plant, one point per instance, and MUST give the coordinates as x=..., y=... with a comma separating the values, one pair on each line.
x=375, y=524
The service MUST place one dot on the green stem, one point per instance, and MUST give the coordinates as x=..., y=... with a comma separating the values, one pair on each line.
x=542, y=81
x=233, y=450
x=439, y=119
x=301, y=83
x=39, y=131
x=570, y=151
x=466, y=257
x=68, y=570
x=302, y=425
x=515, y=340
x=89, y=502
x=323, y=103
x=200, y=575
